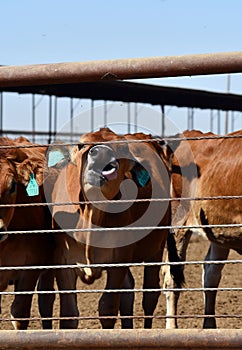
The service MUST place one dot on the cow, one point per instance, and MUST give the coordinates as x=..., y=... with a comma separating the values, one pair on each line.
x=22, y=176
x=207, y=167
x=111, y=169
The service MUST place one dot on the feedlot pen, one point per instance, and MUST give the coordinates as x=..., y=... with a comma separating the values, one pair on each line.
x=190, y=308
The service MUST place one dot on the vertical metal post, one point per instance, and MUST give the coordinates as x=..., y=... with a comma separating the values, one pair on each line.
x=50, y=119
x=211, y=120
x=1, y=113
x=129, y=117
x=227, y=112
x=105, y=117
x=71, y=119
x=232, y=121
x=136, y=117
x=92, y=115
x=190, y=118
x=33, y=117
x=162, y=120
x=55, y=118
x=218, y=121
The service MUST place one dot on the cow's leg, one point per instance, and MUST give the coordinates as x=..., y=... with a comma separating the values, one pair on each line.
x=211, y=277
x=182, y=240
x=127, y=301
x=4, y=281
x=21, y=305
x=46, y=301
x=66, y=280
x=109, y=302
x=150, y=299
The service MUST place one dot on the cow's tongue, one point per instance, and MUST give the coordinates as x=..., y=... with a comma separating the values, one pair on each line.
x=110, y=171
x=110, y=174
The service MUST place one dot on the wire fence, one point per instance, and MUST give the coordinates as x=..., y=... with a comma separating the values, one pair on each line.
x=130, y=228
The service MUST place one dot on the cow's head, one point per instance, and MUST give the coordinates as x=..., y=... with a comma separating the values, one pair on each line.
x=8, y=186
x=103, y=164
x=16, y=170
x=106, y=166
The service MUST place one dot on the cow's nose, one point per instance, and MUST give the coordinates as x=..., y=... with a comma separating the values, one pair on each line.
x=102, y=165
x=101, y=153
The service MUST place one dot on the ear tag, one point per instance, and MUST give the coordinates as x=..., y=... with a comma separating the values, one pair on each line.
x=55, y=157
x=142, y=177
x=32, y=189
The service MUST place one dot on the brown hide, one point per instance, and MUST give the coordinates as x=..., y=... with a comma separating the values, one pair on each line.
x=23, y=249
x=102, y=168
x=206, y=168
x=111, y=246
x=219, y=171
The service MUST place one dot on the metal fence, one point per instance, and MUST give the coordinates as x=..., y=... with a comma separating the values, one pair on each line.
x=118, y=339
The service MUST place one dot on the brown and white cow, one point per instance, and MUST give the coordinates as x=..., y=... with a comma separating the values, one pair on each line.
x=104, y=166
x=207, y=168
x=17, y=167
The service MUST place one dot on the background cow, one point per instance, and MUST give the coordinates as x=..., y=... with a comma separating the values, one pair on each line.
x=104, y=166
x=207, y=168
x=18, y=168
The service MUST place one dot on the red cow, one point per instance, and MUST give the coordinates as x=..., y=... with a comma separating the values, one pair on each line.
x=104, y=166
x=22, y=170
x=207, y=168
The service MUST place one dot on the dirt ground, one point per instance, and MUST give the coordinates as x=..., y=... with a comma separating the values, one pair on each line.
x=190, y=303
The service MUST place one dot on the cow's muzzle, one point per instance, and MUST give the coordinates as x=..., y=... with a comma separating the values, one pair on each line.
x=102, y=165
x=89, y=275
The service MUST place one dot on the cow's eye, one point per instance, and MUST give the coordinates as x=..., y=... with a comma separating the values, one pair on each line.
x=12, y=187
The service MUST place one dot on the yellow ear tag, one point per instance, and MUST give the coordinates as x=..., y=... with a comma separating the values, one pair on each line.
x=32, y=189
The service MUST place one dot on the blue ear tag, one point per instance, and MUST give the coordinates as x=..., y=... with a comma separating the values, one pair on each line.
x=55, y=157
x=32, y=189
x=142, y=177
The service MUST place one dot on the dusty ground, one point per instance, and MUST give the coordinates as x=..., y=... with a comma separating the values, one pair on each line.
x=190, y=302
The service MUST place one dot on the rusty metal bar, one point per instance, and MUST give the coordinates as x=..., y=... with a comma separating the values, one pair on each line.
x=122, y=339
x=132, y=68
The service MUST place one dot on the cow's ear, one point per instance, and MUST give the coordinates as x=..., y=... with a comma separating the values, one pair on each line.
x=80, y=146
x=74, y=154
x=30, y=171
x=167, y=150
x=58, y=156
x=18, y=156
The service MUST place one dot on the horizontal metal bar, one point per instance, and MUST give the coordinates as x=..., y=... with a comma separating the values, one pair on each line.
x=113, y=265
x=115, y=202
x=82, y=339
x=124, y=228
x=178, y=139
x=41, y=133
x=130, y=68
x=119, y=317
x=134, y=290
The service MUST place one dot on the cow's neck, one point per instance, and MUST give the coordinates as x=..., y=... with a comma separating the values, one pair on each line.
x=93, y=215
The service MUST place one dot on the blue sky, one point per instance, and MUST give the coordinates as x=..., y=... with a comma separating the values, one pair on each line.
x=50, y=31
